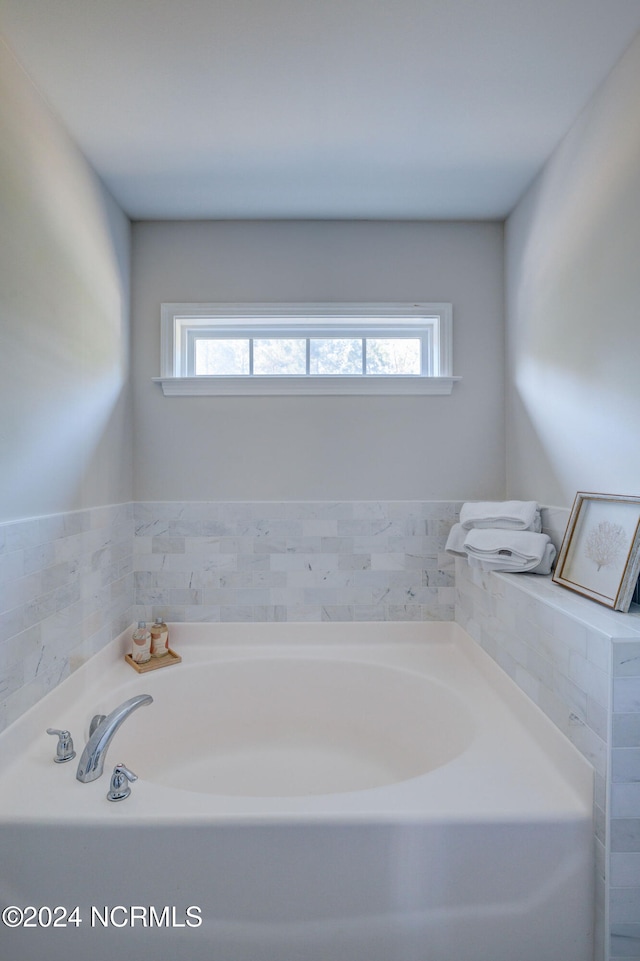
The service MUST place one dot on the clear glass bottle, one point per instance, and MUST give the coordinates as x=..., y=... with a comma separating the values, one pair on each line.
x=141, y=644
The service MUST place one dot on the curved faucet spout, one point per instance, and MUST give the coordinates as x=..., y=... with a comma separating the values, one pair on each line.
x=93, y=756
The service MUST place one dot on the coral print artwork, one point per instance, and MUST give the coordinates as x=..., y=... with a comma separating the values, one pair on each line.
x=606, y=544
x=599, y=556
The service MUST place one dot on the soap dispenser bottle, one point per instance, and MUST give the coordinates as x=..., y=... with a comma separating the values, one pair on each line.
x=141, y=644
x=159, y=638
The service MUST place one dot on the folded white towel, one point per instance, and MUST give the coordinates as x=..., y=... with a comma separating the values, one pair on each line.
x=544, y=567
x=455, y=540
x=500, y=550
x=506, y=515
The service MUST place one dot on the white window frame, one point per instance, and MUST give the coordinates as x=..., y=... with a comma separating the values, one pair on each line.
x=431, y=322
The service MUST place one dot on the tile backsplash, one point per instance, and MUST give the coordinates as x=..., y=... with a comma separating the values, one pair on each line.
x=625, y=801
x=294, y=561
x=66, y=585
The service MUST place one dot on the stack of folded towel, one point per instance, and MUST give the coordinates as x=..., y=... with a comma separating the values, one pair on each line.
x=502, y=536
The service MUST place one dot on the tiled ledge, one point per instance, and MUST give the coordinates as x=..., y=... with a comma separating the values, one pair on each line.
x=563, y=663
x=595, y=616
x=580, y=663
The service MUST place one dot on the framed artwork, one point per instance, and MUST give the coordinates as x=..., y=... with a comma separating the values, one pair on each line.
x=600, y=553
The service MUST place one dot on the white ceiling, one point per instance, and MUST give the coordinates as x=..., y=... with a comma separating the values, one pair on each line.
x=403, y=109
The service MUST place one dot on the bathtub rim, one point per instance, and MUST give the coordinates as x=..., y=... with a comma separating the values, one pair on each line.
x=208, y=640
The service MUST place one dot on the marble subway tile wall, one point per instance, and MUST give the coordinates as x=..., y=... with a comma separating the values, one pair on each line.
x=576, y=661
x=625, y=802
x=66, y=590
x=294, y=561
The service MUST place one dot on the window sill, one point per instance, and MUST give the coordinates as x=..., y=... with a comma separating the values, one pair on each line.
x=314, y=385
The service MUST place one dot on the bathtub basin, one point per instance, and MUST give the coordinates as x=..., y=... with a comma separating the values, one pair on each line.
x=358, y=792
x=284, y=726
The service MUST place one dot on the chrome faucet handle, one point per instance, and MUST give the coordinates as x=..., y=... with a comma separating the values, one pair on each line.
x=64, y=749
x=119, y=788
x=96, y=721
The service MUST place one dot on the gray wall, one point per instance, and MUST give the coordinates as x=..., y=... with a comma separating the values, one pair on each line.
x=306, y=448
x=65, y=417
x=573, y=307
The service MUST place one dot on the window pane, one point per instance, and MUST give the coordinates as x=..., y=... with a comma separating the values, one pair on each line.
x=399, y=355
x=336, y=356
x=221, y=356
x=280, y=356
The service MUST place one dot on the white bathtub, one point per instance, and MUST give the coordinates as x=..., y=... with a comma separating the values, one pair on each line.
x=316, y=792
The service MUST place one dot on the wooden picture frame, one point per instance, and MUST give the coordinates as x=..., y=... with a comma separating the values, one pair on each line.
x=600, y=553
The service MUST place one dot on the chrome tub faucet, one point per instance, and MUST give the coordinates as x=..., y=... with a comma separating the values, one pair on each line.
x=92, y=760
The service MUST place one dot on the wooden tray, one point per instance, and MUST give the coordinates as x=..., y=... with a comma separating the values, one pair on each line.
x=155, y=663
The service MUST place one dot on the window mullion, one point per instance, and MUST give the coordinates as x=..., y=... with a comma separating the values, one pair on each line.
x=308, y=355
x=364, y=356
x=426, y=355
x=251, y=356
